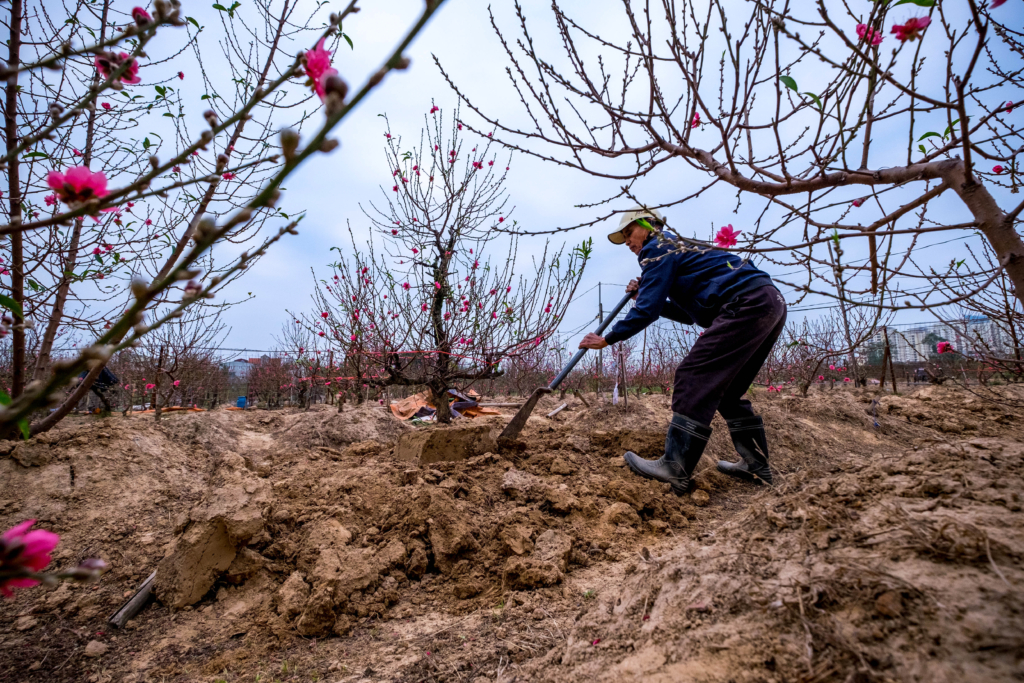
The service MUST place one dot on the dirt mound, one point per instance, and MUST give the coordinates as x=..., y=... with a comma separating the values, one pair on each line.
x=892, y=542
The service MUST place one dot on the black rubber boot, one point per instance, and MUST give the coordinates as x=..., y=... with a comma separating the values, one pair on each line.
x=683, y=447
x=752, y=445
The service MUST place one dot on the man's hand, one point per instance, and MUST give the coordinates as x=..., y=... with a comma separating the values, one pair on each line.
x=633, y=287
x=593, y=341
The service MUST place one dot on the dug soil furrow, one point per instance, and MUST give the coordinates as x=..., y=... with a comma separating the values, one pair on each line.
x=296, y=546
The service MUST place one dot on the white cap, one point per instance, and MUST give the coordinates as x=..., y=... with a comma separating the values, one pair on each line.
x=631, y=216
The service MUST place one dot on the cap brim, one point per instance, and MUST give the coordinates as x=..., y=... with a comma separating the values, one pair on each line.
x=617, y=237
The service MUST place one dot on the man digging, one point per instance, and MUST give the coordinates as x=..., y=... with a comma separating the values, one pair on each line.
x=743, y=315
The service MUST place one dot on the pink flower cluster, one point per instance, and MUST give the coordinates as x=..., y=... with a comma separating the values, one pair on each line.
x=108, y=62
x=78, y=184
x=24, y=550
x=726, y=237
x=318, y=68
x=912, y=29
x=866, y=33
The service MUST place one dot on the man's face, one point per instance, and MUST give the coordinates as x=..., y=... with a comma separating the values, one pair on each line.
x=635, y=236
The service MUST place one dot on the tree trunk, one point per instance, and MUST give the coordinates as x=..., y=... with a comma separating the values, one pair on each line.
x=993, y=223
x=439, y=397
x=14, y=197
x=71, y=260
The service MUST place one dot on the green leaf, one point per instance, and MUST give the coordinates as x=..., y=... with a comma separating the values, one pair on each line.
x=26, y=431
x=931, y=134
x=348, y=40
x=193, y=22
x=950, y=127
x=146, y=144
x=5, y=398
x=919, y=3
x=10, y=303
x=817, y=100
x=169, y=114
x=220, y=7
x=98, y=258
x=790, y=83
x=34, y=155
x=923, y=150
x=642, y=222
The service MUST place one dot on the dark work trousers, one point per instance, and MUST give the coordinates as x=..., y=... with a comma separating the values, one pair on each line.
x=727, y=357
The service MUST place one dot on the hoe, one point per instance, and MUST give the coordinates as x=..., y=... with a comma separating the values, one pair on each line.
x=517, y=423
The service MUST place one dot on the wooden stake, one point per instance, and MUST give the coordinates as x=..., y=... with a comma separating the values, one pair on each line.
x=156, y=386
x=134, y=604
x=557, y=410
x=888, y=353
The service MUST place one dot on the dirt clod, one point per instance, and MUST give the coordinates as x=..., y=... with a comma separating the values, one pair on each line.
x=95, y=649
x=446, y=445
x=889, y=604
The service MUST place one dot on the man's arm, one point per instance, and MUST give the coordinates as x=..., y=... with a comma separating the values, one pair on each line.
x=650, y=302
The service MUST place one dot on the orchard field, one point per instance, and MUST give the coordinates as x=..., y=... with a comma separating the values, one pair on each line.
x=888, y=551
x=406, y=207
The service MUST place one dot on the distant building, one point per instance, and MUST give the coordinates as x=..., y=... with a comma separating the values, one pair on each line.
x=239, y=368
x=917, y=344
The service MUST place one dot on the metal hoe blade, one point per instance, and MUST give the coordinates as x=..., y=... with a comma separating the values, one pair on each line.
x=516, y=424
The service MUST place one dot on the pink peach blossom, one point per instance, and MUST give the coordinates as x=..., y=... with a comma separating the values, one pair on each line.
x=318, y=68
x=25, y=550
x=866, y=33
x=726, y=237
x=912, y=29
x=78, y=184
x=107, y=62
x=141, y=16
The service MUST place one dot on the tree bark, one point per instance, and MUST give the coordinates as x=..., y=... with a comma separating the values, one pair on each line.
x=68, y=269
x=14, y=197
x=993, y=223
x=439, y=397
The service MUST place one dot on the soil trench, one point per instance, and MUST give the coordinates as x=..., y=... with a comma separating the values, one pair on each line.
x=298, y=546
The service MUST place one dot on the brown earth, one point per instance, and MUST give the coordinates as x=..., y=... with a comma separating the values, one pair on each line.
x=298, y=547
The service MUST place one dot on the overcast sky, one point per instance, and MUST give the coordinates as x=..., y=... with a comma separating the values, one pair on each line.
x=331, y=188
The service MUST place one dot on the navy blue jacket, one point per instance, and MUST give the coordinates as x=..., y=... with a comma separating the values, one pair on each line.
x=687, y=287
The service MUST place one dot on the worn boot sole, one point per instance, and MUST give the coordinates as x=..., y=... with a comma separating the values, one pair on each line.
x=734, y=470
x=676, y=488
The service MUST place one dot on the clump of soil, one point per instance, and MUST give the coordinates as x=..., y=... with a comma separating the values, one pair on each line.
x=891, y=546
